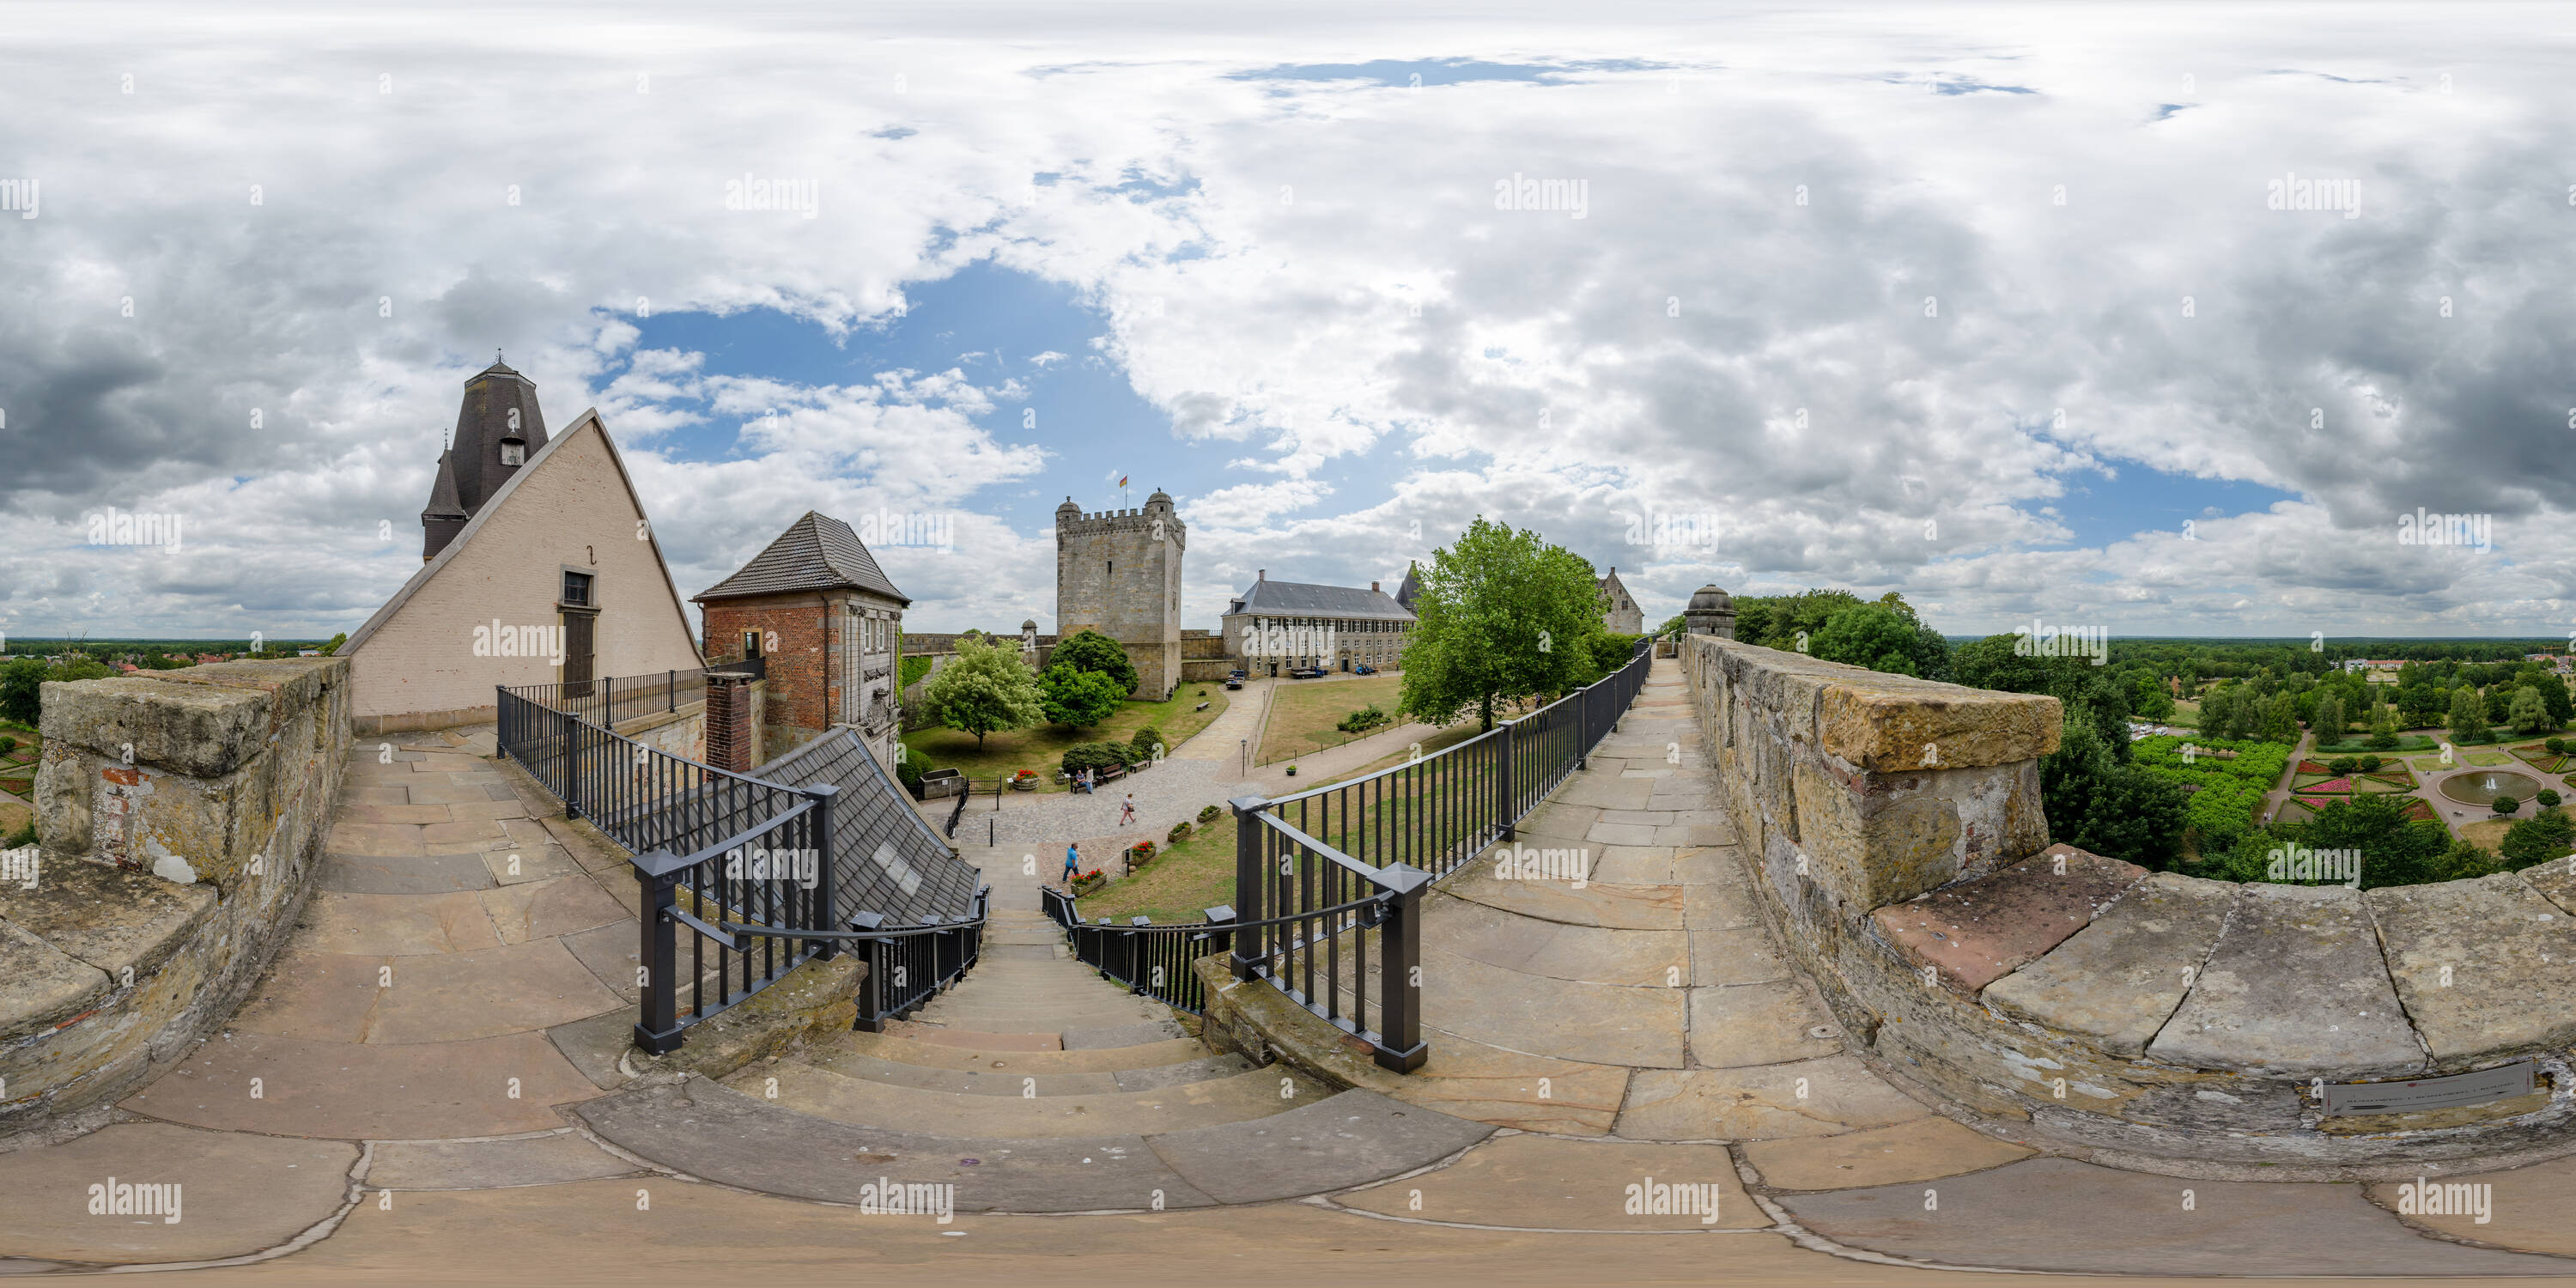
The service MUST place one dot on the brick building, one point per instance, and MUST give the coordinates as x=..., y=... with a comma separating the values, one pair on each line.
x=828, y=626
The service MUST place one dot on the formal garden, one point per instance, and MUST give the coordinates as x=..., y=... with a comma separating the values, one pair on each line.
x=997, y=719
x=19, y=746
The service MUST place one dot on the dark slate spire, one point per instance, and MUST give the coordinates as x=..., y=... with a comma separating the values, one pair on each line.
x=446, y=515
x=1411, y=590
x=498, y=429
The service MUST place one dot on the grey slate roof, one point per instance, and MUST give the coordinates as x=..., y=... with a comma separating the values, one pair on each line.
x=817, y=552
x=443, y=500
x=1303, y=599
x=1412, y=588
x=885, y=859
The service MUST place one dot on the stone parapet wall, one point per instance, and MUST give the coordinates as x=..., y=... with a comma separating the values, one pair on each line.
x=181, y=816
x=2154, y=1019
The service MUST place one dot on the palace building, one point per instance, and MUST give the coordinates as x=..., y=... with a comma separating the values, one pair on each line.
x=1277, y=625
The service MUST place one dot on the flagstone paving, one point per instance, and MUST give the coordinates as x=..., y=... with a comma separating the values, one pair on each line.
x=432, y=1075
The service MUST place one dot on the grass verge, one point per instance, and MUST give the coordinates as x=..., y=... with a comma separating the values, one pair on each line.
x=1042, y=748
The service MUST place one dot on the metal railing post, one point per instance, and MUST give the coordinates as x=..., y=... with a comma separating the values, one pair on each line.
x=1248, y=878
x=657, y=875
x=872, y=989
x=826, y=892
x=1400, y=1047
x=1504, y=793
x=572, y=763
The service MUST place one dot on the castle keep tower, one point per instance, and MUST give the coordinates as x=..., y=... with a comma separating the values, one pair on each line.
x=1119, y=573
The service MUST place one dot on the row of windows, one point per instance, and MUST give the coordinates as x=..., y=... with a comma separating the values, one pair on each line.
x=1352, y=626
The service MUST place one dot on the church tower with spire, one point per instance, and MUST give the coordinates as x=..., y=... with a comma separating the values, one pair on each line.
x=498, y=429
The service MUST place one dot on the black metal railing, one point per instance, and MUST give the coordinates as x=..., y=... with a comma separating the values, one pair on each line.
x=1148, y=959
x=1329, y=882
x=743, y=866
x=614, y=700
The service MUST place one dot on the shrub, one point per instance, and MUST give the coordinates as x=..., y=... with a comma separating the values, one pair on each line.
x=2548, y=798
x=2505, y=805
x=2343, y=765
x=8, y=745
x=2538, y=839
x=1147, y=741
x=2556, y=746
x=2383, y=740
x=1209, y=815
x=1367, y=717
x=910, y=769
x=1093, y=756
x=2371, y=764
x=1180, y=832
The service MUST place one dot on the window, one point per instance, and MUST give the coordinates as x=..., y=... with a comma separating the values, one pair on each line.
x=576, y=590
x=750, y=645
x=514, y=453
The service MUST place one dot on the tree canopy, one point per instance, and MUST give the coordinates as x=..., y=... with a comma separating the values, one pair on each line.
x=1092, y=651
x=988, y=689
x=1077, y=698
x=1502, y=616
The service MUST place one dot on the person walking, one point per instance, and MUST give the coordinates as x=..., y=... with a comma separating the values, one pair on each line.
x=1072, y=863
x=1127, y=810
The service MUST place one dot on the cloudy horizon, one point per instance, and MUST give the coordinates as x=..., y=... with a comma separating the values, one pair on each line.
x=2165, y=321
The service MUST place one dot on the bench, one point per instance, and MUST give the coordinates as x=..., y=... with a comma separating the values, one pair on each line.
x=1200, y=707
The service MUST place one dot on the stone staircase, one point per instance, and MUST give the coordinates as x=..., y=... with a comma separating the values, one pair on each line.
x=1033, y=1085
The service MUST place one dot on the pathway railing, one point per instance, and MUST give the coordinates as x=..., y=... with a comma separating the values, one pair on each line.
x=736, y=873
x=1329, y=882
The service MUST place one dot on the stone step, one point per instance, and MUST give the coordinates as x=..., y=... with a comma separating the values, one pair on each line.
x=1008, y=1082
x=821, y=1093
x=1350, y=1139
x=1059, y=1021
x=896, y=1047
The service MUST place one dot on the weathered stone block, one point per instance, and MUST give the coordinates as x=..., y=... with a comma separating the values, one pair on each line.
x=2485, y=967
x=108, y=917
x=1976, y=932
x=2296, y=987
x=2119, y=979
x=41, y=987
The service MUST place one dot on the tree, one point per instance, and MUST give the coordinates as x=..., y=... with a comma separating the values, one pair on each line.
x=1502, y=616
x=2468, y=716
x=2280, y=720
x=1867, y=635
x=988, y=689
x=2553, y=693
x=2394, y=851
x=1092, y=651
x=2095, y=803
x=2000, y=662
x=2329, y=722
x=2504, y=805
x=2529, y=712
x=18, y=689
x=2538, y=839
x=332, y=649
x=1077, y=698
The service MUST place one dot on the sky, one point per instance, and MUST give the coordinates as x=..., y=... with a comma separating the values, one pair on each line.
x=1993, y=307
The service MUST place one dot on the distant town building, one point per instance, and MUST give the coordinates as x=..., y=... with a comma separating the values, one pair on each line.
x=1619, y=612
x=829, y=625
x=1118, y=572
x=551, y=574
x=1276, y=625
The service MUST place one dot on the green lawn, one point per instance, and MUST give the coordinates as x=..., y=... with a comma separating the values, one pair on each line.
x=1303, y=713
x=1042, y=748
x=1187, y=879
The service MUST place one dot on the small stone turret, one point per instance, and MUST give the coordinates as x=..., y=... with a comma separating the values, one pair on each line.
x=1711, y=612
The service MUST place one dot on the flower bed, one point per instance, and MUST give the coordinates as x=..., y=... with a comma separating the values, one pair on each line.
x=1086, y=882
x=2335, y=786
x=2418, y=811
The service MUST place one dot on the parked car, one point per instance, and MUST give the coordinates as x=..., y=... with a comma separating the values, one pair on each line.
x=1235, y=674
x=1234, y=681
x=1364, y=669
x=1307, y=673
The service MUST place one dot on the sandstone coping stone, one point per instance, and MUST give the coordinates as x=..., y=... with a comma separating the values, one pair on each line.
x=108, y=917
x=2118, y=980
x=42, y=987
x=2484, y=967
x=1883, y=722
x=1977, y=932
x=2296, y=987
x=2556, y=880
x=203, y=731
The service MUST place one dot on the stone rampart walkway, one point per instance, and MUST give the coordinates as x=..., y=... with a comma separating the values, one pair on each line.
x=439, y=1095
